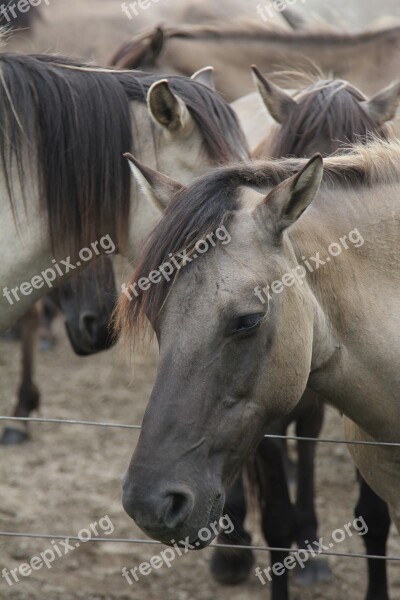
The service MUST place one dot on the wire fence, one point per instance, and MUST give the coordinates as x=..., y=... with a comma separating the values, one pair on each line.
x=74, y=538
x=47, y=536
x=138, y=427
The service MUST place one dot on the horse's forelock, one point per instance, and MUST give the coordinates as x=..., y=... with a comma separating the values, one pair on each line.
x=329, y=109
x=195, y=213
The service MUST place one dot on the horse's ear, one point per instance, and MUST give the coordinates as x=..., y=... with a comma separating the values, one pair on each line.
x=383, y=106
x=157, y=42
x=206, y=77
x=157, y=187
x=145, y=51
x=294, y=19
x=279, y=104
x=167, y=109
x=288, y=200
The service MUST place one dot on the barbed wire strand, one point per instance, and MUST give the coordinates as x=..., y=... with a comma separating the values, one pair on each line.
x=48, y=536
x=138, y=427
x=215, y=545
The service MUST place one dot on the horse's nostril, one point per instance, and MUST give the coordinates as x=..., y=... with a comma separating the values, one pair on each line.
x=178, y=506
x=88, y=325
x=160, y=513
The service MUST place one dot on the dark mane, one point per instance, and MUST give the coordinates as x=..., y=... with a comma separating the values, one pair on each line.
x=224, y=139
x=76, y=122
x=212, y=199
x=328, y=115
x=143, y=49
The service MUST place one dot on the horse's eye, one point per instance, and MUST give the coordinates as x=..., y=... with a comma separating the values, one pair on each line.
x=247, y=322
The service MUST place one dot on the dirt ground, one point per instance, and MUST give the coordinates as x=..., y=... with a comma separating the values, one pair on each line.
x=68, y=477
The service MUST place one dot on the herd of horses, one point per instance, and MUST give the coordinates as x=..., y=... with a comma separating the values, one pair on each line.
x=288, y=171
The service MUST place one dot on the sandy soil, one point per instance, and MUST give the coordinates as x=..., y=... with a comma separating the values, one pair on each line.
x=67, y=477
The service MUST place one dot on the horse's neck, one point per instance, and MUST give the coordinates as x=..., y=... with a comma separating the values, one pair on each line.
x=143, y=214
x=256, y=122
x=373, y=211
x=357, y=294
x=356, y=58
x=145, y=148
x=25, y=253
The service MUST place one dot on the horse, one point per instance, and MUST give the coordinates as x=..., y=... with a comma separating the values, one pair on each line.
x=64, y=129
x=305, y=292
x=87, y=303
x=324, y=116
x=361, y=57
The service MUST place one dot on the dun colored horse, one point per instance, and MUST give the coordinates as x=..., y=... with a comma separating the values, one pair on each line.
x=305, y=294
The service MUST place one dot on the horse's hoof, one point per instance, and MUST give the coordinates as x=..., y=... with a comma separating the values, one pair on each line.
x=12, y=437
x=231, y=567
x=316, y=570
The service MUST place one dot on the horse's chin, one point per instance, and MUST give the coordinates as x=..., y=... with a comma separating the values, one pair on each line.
x=83, y=347
x=213, y=518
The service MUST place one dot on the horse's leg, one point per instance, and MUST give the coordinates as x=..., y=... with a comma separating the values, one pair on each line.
x=47, y=313
x=375, y=513
x=278, y=514
x=308, y=424
x=230, y=566
x=28, y=393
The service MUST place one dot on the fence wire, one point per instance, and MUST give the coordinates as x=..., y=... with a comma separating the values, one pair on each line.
x=138, y=427
x=74, y=538
x=48, y=536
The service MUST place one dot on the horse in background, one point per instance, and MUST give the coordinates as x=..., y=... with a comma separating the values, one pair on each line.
x=179, y=124
x=360, y=57
x=79, y=180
